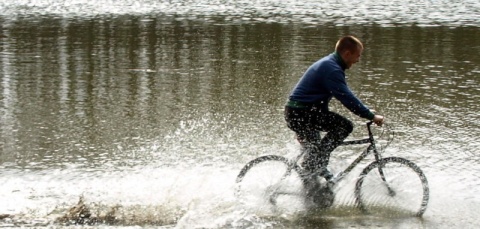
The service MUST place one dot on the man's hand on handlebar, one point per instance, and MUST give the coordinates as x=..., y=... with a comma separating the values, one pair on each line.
x=378, y=119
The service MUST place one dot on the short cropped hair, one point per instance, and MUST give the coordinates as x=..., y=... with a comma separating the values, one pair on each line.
x=348, y=43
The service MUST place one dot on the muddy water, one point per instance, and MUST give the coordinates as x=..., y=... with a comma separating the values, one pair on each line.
x=147, y=110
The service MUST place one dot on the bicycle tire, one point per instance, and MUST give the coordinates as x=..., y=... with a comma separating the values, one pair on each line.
x=263, y=181
x=405, y=191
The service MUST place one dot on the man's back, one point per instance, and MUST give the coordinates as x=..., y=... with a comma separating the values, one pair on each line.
x=326, y=79
x=314, y=85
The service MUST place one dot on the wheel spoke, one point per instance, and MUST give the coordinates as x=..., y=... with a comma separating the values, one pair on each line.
x=269, y=183
x=398, y=187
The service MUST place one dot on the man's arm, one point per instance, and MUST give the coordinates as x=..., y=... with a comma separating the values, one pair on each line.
x=339, y=89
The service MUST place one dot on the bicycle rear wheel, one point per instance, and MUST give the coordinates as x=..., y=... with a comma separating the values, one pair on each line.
x=270, y=183
x=402, y=190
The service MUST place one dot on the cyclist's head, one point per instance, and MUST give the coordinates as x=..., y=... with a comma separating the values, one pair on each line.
x=350, y=49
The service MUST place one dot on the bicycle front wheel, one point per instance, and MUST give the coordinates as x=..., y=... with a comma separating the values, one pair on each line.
x=392, y=186
x=270, y=182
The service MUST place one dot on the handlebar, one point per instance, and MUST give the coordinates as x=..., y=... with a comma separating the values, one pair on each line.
x=387, y=129
x=371, y=139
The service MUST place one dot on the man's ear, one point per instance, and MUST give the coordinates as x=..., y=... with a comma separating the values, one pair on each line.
x=347, y=53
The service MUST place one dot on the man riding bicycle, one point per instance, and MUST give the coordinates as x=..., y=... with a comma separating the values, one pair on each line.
x=307, y=112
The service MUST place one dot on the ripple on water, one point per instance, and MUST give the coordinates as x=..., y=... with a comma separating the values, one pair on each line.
x=341, y=12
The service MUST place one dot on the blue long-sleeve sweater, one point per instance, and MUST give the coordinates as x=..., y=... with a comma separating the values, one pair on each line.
x=323, y=80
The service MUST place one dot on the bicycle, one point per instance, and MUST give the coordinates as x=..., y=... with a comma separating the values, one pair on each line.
x=391, y=183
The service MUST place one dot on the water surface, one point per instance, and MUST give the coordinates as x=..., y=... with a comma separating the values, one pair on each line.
x=152, y=108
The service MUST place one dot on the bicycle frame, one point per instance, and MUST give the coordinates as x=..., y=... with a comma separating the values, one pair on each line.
x=371, y=148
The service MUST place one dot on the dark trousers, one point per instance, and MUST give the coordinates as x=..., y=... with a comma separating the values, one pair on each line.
x=307, y=124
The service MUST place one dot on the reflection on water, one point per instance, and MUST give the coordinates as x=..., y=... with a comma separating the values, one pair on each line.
x=83, y=86
x=155, y=113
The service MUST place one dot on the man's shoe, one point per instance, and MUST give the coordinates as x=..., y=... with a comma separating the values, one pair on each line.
x=320, y=194
x=323, y=197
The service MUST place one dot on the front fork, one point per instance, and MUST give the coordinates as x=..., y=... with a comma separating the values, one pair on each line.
x=381, y=165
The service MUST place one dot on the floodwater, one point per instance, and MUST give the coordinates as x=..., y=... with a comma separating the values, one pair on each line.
x=147, y=110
